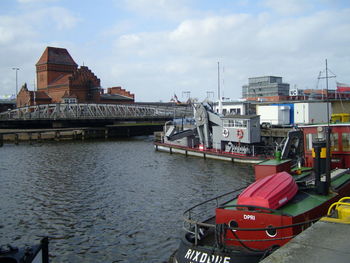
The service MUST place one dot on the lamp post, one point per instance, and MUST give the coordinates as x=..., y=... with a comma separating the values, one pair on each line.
x=16, y=69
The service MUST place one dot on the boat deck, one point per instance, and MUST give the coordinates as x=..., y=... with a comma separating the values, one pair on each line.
x=309, y=197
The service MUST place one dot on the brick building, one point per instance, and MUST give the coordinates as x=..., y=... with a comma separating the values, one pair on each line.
x=60, y=80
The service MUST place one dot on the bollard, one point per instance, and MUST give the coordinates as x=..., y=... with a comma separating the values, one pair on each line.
x=30, y=138
x=57, y=135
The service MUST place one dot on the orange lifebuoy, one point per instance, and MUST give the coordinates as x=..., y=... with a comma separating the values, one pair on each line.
x=240, y=134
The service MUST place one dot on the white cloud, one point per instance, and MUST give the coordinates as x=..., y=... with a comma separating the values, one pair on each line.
x=22, y=41
x=289, y=7
x=121, y=27
x=247, y=45
x=13, y=29
x=60, y=17
x=166, y=9
x=154, y=64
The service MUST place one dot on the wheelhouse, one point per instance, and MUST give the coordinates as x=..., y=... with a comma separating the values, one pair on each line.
x=340, y=144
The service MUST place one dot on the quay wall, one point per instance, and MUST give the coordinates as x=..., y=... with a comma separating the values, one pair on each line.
x=17, y=136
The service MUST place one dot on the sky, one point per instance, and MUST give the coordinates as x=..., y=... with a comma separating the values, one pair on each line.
x=158, y=48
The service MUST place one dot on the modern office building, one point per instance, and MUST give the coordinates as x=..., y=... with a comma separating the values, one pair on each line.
x=269, y=88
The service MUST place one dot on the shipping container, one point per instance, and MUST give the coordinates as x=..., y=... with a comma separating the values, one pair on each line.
x=274, y=114
x=312, y=112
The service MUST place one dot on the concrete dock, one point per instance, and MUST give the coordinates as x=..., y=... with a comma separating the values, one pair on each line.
x=324, y=242
x=80, y=133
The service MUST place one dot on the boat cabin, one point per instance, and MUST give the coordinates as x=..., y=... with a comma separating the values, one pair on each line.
x=340, y=144
x=237, y=129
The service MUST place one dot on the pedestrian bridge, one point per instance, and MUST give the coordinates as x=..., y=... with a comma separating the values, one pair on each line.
x=70, y=111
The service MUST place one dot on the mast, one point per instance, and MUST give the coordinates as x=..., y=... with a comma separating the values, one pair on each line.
x=219, y=81
x=328, y=137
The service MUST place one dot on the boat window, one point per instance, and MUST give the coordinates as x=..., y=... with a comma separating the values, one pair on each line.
x=235, y=123
x=233, y=224
x=228, y=123
x=309, y=139
x=346, y=141
x=334, y=142
x=238, y=123
x=241, y=123
x=271, y=231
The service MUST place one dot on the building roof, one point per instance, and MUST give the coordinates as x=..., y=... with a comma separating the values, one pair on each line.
x=115, y=97
x=41, y=95
x=246, y=117
x=55, y=55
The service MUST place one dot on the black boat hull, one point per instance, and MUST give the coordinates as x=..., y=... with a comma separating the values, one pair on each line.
x=190, y=253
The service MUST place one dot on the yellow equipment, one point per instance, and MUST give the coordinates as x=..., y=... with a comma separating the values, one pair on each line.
x=340, y=117
x=339, y=212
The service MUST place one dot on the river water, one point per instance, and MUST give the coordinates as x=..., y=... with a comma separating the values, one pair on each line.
x=105, y=201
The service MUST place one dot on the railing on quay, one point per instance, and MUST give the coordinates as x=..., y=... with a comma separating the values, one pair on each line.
x=61, y=111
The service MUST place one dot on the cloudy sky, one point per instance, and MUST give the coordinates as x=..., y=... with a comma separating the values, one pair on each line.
x=155, y=48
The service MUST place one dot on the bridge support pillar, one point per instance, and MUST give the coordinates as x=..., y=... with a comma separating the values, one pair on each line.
x=16, y=138
x=39, y=137
x=106, y=133
x=1, y=140
x=83, y=135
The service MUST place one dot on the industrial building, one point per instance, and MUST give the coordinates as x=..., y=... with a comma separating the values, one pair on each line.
x=265, y=88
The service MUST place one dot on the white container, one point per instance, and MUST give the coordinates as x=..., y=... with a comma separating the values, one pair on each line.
x=273, y=114
x=311, y=112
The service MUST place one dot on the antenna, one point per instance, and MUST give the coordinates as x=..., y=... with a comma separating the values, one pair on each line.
x=327, y=95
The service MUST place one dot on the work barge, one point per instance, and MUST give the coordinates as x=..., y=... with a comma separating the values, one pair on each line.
x=236, y=138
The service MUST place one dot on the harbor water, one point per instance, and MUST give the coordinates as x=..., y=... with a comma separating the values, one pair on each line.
x=105, y=201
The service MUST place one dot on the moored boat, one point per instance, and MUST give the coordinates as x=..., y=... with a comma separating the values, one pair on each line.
x=248, y=225
x=235, y=138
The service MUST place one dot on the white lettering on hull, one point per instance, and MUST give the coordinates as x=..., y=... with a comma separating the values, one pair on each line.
x=196, y=256
x=248, y=217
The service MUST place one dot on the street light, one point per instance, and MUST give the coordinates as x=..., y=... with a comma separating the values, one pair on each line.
x=16, y=79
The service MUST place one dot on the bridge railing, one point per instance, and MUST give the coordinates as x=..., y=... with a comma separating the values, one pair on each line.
x=61, y=111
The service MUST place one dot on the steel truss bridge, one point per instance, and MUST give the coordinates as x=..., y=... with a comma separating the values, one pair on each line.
x=70, y=111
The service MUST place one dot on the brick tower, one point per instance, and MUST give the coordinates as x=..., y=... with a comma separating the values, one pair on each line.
x=53, y=64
